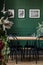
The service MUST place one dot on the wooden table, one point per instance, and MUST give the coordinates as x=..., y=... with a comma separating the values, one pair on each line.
x=23, y=38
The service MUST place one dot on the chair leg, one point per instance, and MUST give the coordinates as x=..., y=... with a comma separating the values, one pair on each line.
x=27, y=51
x=16, y=57
x=36, y=56
x=11, y=55
x=24, y=53
x=29, y=55
x=33, y=53
x=21, y=56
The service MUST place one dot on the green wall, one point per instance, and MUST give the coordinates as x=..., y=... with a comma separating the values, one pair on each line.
x=1, y=6
x=25, y=26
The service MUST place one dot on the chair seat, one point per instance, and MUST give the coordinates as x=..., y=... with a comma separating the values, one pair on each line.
x=39, y=48
x=29, y=46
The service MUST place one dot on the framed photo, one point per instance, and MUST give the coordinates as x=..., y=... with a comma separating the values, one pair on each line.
x=21, y=13
x=34, y=13
x=11, y=13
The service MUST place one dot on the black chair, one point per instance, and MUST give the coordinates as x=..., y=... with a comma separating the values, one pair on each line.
x=15, y=49
x=35, y=50
x=12, y=46
x=39, y=48
x=19, y=51
x=27, y=49
x=31, y=50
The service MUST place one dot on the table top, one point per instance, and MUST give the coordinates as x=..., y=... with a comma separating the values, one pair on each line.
x=23, y=38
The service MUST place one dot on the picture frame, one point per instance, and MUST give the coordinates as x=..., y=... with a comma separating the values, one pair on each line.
x=21, y=13
x=34, y=13
x=11, y=12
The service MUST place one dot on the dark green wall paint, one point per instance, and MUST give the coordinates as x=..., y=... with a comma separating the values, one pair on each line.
x=25, y=26
x=1, y=4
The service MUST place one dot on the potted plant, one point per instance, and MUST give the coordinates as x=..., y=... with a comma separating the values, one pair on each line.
x=40, y=30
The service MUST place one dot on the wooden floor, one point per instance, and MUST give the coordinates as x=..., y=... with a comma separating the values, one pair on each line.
x=26, y=62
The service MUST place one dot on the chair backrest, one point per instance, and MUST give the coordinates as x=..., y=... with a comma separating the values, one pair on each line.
x=12, y=43
x=27, y=44
x=35, y=43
